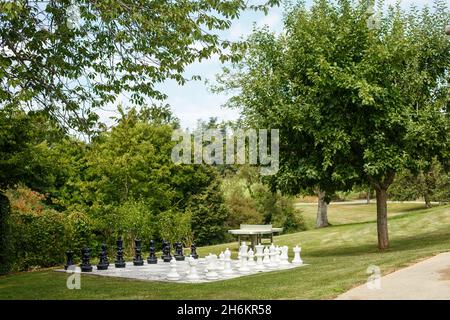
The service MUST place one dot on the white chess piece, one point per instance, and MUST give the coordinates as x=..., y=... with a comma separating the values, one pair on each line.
x=297, y=259
x=228, y=269
x=251, y=259
x=266, y=259
x=284, y=258
x=259, y=258
x=278, y=255
x=239, y=260
x=193, y=274
x=221, y=265
x=243, y=266
x=173, y=274
x=273, y=260
x=212, y=274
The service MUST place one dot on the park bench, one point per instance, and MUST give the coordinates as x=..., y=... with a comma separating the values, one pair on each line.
x=255, y=232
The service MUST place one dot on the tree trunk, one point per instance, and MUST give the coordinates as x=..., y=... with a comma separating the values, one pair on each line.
x=368, y=196
x=426, y=196
x=382, y=222
x=322, y=215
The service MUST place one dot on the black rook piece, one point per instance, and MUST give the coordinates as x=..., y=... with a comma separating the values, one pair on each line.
x=119, y=263
x=166, y=252
x=85, y=260
x=179, y=256
x=137, y=261
x=69, y=259
x=152, y=257
x=194, y=251
x=103, y=259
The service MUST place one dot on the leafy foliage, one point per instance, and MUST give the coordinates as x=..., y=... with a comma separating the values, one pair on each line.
x=353, y=104
x=69, y=57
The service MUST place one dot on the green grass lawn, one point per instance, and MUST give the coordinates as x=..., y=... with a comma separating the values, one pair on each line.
x=353, y=213
x=338, y=258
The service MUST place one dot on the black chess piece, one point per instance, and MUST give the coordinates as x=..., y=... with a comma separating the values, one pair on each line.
x=163, y=249
x=166, y=252
x=103, y=259
x=85, y=260
x=194, y=251
x=152, y=257
x=179, y=256
x=137, y=260
x=69, y=259
x=120, y=262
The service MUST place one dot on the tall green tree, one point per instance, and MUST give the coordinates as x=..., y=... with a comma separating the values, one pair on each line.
x=69, y=57
x=353, y=103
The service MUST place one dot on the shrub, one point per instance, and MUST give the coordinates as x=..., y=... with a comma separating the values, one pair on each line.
x=131, y=220
x=5, y=235
x=175, y=226
x=38, y=240
x=79, y=231
x=208, y=214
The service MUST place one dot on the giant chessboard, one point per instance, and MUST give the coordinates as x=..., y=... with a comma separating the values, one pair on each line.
x=159, y=271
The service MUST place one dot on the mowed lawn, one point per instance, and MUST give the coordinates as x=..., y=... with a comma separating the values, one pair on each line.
x=338, y=258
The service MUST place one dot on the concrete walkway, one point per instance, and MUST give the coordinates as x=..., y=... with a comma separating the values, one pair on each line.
x=372, y=201
x=426, y=280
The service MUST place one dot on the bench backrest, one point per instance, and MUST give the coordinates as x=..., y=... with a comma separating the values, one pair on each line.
x=256, y=227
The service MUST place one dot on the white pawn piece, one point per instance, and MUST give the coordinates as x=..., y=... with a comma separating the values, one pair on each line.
x=221, y=265
x=251, y=259
x=284, y=258
x=273, y=260
x=173, y=274
x=266, y=259
x=193, y=274
x=259, y=258
x=212, y=274
x=297, y=259
x=227, y=270
x=244, y=267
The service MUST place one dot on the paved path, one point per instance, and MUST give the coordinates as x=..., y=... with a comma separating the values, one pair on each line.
x=372, y=201
x=429, y=279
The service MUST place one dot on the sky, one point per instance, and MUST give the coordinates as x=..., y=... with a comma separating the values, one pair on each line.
x=194, y=101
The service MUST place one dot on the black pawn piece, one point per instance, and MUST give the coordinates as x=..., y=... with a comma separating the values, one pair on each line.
x=166, y=253
x=120, y=262
x=137, y=260
x=179, y=256
x=103, y=259
x=85, y=260
x=194, y=251
x=152, y=257
x=69, y=259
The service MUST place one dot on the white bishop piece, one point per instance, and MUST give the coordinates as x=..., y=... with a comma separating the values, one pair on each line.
x=297, y=259
x=227, y=269
x=173, y=274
